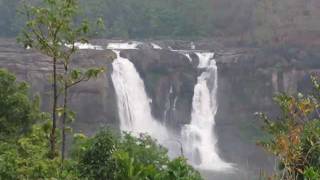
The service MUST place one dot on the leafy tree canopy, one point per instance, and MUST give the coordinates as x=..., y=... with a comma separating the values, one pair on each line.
x=17, y=111
x=124, y=157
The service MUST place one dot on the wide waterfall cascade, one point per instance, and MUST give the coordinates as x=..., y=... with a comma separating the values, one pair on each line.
x=80, y=45
x=198, y=137
x=124, y=45
x=133, y=102
x=88, y=46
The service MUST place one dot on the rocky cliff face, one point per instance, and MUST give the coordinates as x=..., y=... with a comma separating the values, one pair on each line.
x=94, y=101
x=248, y=78
x=169, y=77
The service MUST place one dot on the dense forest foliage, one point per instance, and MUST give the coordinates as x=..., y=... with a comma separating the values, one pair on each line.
x=259, y=21
x=131, y=18
x=152, y=18
x=33, y=144
x=25, y=153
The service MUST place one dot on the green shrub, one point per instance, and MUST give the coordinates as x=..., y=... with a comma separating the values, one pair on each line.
x=24, y=133
x=110, y=156
x=312, y=173
x=17, y=111
x=96, y=159
x=139, y=158
x=28, y=158
x=179, y=169
x=294, y=137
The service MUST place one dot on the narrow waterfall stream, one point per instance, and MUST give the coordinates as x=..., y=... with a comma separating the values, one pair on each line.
x=198, y=136
x=133, y=102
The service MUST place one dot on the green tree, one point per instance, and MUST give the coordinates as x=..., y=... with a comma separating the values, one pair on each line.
x=52, y=30
x=179, y=169
x=17, y=111
x=139, y=158
x=27, y=158
x=111, y=156
x=24, y=136
x=95, y=160
x=69, y=79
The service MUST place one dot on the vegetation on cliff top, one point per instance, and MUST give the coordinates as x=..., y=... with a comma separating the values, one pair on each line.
x=246, y=21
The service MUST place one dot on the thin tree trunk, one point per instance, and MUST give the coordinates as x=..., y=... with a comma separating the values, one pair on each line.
x=64, y=116
x=52, y=153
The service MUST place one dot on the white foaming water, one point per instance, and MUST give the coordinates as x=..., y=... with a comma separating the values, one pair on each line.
x=155, y=46
x=167, y=105
x=85, y=46
x=198, y=137
x=133, y=102
x=192, y=46
x=175, y=103
x=205, y=59
x=188, y=56
x=124, y=45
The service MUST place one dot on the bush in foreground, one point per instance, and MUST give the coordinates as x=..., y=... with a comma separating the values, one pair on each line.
x=111, y=156
x=24, y=152
x=294, y=137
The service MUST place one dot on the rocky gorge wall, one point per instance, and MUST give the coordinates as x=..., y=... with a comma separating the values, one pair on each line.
x=94, y=101
x=248, y=78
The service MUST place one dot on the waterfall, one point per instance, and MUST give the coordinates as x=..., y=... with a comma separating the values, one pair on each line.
x=198, y=139
x=167, y=105
x=124, y=45
x=198, y=136
x=155, y=46
x=133, y=102
x=188, y=56
x=193, y=46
